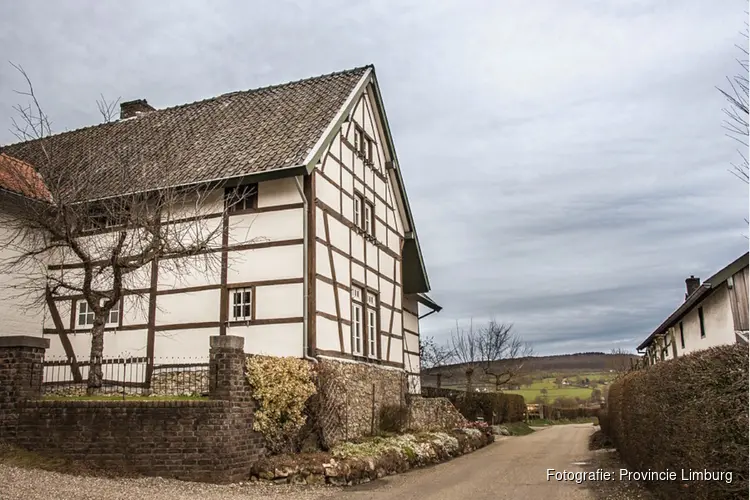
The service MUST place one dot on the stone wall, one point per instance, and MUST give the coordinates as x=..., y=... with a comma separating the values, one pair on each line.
x=432, y=414
x=351, y=397
x=202, y=440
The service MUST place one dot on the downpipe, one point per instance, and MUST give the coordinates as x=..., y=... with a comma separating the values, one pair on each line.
x=305, y=278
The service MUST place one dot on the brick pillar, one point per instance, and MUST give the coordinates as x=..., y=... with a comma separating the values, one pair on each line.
x=21, y=373
x=227, y=368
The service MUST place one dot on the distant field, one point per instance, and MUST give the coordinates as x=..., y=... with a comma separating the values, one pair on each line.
x=531, y=392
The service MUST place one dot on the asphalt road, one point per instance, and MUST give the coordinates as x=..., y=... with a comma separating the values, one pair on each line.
x=512, y=468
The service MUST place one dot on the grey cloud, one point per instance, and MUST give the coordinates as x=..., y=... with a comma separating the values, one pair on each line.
x=565, y=162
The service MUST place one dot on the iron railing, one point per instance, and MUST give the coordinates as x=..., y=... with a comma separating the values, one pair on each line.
x=131, y=375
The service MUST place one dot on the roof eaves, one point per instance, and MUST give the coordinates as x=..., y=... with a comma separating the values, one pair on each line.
x=400, y=181
x=317, y=150
x=678, y=314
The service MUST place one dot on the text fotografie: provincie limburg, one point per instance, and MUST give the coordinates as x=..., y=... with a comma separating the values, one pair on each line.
x=649, y=475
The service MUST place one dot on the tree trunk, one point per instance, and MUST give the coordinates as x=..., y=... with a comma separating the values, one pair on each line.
x=95, y=359
x=469, y=376
x=439, y=380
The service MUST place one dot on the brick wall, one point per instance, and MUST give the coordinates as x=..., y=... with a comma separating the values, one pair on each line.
x=20, y=377
x=197, y=440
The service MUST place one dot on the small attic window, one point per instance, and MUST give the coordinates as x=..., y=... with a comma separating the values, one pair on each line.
x=242, y=197
x=363, y=145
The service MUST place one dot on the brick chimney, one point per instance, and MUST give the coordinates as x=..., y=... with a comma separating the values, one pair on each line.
x=692, y=284
x=134, y=108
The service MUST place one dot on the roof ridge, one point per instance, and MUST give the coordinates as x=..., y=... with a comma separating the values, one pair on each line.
x=208, y=99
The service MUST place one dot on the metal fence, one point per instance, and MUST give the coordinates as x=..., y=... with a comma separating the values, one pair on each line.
x=132, y=375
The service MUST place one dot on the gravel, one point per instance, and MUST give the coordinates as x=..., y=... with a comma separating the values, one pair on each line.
x=34, y=484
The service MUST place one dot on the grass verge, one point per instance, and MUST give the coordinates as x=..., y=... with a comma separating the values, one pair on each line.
x=541, y=422
x=518, y=428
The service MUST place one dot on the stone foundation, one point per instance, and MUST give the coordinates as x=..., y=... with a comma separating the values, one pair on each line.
x=351, y=397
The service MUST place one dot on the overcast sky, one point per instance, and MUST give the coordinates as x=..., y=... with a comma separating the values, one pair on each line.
x=565, y=161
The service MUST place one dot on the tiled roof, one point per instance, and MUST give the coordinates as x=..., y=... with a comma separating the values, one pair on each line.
x=227, y=136
x=19, y=177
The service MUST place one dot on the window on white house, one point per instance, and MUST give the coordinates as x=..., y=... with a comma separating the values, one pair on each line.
x=242, y=304
x=682, y=335
x=242, y=197
x=86, y=314
x=356, y=328
x=372, y=323
x=369, y=223
x=114, y=315
x=359, y=204
x=702, y=322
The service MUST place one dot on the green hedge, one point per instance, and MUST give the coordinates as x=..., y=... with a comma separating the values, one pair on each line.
x=504, y=407
x=686, y=414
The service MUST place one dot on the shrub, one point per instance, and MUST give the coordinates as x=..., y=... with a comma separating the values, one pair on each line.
x=281, y=386
x=493, y=407
x=687, y=413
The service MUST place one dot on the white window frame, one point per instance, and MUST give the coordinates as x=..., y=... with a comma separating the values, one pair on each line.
x=357, y=324
x=372, y=332
x=245, y=305
x=369, y=219
x=83, y=311
x=88, y=314
x=359, y=207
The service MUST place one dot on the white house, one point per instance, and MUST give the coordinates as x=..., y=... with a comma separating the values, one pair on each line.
x=319, y=258
x=714, y=313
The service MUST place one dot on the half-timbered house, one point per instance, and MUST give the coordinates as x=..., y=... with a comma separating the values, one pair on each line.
x=319, y=256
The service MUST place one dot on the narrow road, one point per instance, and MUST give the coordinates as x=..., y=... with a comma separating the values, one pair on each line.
x=513, y=468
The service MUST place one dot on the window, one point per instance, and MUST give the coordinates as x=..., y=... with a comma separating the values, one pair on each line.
x=369, y=223
x=356, y=328
x=682, y=336
x=242, y=197
x=242, y=302
x=359, y=203
x=372, y=338
x=364, y=322
x=703, y=326
x=86, y=314
x=114, y=315
x=363, y=145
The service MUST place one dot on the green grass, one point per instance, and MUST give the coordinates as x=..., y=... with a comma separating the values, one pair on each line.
x=541, y=422
x=109, y=397
x=518, y=428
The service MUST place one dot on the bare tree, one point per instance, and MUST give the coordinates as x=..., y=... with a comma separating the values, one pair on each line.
x=465, y=347
x=502, y=352
x=433, y=356
x=736, y=122
x=620, y=360
x=100, y=249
